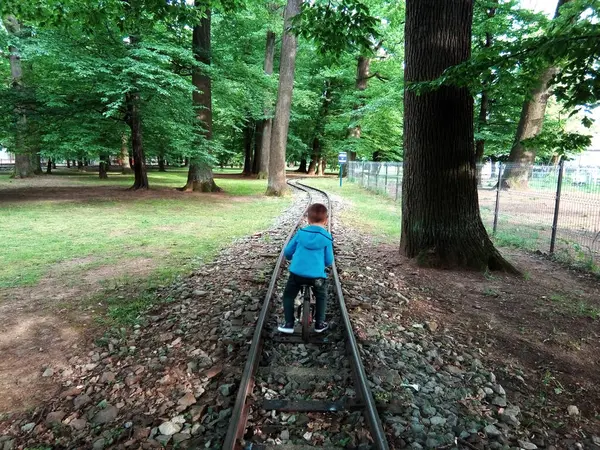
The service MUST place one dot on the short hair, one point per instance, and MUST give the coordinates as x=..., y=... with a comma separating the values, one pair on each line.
x=317, y=212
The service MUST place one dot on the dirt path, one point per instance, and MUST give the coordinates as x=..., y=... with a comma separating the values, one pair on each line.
x=541, y=335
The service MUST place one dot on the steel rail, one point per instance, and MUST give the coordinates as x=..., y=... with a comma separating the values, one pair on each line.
x=239, y=413
x=358, y=369
x=237, y=424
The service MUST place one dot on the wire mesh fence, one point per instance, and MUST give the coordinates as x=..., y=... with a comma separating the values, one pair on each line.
x=556, y=210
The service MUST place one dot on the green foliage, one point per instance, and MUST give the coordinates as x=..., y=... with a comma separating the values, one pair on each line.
x=338, y=26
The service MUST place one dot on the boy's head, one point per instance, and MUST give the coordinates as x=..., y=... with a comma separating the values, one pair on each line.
x=317, y=213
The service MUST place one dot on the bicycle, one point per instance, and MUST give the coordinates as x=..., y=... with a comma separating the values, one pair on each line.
x=306, y=310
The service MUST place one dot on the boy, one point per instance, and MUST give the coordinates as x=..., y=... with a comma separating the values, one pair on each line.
x=310, y=250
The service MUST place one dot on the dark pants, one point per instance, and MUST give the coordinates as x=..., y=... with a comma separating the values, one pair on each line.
x=292, y=288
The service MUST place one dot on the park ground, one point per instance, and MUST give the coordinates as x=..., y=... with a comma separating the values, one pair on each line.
x=81, y=255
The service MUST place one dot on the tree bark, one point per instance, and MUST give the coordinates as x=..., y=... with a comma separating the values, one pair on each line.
x=125, y=164
x=161, y=163
x=484, y=106
x=24, y=166
x=68, y=163
x=265, y=125
x=322, y=164
x=248, y=134
x=256, y=146
x=441, y=225
x=103, y=167
x=49, y=167
x=135, y=124
x=312, y=166
x=277, y=182
x=200, y=175
x=302, y=168
x=480, y=143
x=521, y=158
x=362, y=80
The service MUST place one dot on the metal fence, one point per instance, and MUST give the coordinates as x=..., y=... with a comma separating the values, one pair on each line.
x=558, y=212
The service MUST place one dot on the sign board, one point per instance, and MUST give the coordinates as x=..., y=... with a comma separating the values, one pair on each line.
x=342, y=158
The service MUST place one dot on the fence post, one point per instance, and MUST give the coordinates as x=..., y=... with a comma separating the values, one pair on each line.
x=369, y=176
x=497, y=208
x=386, y=174
x=556, y=206
x=397, y=179
x=377, y=169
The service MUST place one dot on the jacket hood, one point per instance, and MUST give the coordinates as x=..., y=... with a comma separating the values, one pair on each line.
x=314, y=237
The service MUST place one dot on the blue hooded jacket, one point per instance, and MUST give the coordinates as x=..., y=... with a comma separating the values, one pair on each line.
x=311, y=250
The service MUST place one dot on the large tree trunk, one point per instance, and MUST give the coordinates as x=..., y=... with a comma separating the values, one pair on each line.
x=302, y=168
x=24, y=166
x=265, y=125
x=161, y=163
x=103, y=167
x=312, y=166
x=125, y=165
x=279, y=132
x=480, y=143
x=322, y=164
x=483, y=107
x=248, y=134
x=200, y=175
x=135, y=123
x=200, y=178
x=362, y=80
x=256, y=146
x=441, y=225
x=521, y=158
x=49, y=167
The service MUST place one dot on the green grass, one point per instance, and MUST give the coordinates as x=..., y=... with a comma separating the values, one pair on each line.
x=167, y=231
x=374, y=214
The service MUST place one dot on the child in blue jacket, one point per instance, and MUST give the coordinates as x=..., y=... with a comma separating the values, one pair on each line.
x=311, y=251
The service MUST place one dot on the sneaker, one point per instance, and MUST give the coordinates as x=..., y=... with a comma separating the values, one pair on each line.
x=287, y=327
x=321, y=326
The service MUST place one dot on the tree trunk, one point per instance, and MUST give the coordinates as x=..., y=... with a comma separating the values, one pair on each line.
x=248, y=134
x=68, y=163
x=480, y=143
x=484, y=106
x=279, y=132
x=103, y=167
x=265, y=125
x=302, y=168
x=80, y=165
x=312, y=166
x=362, y=80
x=200, y=178
x=37, y=163
x=125, y=164
x=24, y=166
x=256, y=146
x=161, y=163
x=49, y=167
x=521, y=158
x=322, y=164
x=441, y=225
x=200, y=175
x=135, y=123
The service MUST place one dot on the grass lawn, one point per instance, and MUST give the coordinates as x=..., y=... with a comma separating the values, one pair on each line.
x=76, y=229
x=375, y=214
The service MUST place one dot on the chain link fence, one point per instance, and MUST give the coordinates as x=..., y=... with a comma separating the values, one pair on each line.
x=558, y=212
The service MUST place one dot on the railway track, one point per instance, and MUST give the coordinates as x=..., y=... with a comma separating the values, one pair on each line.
x=295, y=396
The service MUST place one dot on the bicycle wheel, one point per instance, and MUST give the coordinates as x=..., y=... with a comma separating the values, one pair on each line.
x=306, y=316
